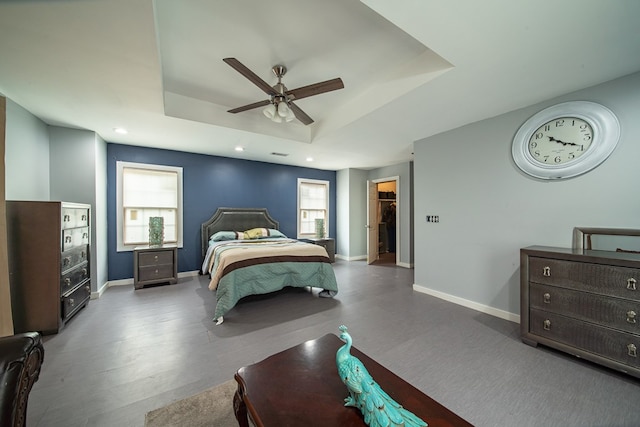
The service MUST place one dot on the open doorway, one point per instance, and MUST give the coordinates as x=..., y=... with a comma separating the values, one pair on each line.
x=383, y=221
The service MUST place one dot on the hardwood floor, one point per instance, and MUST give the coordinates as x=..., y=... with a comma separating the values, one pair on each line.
x=133, y=351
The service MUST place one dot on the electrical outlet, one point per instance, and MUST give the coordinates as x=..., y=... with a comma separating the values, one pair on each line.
x=433, y=218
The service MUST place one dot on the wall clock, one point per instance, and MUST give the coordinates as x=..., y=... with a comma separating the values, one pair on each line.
x=565, y=140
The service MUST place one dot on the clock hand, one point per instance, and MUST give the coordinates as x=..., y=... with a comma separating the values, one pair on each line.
x=561, y=142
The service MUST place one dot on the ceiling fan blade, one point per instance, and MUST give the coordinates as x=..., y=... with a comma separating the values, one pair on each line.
x=300, y=115
x=250, y=106
x=316, y=89
x=239, y=67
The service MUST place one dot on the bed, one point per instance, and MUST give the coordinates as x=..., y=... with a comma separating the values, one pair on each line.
x=244, y=253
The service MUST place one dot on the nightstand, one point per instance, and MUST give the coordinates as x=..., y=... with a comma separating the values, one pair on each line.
x=153, y=265
x=328, y=243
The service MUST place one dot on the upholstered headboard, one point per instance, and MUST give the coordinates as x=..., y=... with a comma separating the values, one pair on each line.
x=235, y=219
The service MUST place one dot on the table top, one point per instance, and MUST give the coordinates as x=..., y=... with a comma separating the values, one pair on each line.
x=301, y=386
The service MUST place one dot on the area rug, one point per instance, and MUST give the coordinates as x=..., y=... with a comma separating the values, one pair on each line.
x=211, y=408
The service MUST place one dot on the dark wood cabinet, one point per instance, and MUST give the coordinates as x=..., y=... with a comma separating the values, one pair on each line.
x=583, y=302
x=49, y=270
x=154, y=265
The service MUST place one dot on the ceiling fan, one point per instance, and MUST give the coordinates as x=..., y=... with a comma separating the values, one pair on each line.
x=280, y=104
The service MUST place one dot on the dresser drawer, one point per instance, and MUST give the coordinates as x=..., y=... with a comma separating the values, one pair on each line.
x=615, y=313
x=73, y=278
x=73, y=257
x=74, y=217
x=601, y=341
x=75, y=301
x=75, y=237
x=155, y=258
x=609, y=280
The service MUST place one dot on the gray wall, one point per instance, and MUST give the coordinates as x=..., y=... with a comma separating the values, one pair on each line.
x=488, y=209
x=78, y=174
x=26, y=155
x=351, y=213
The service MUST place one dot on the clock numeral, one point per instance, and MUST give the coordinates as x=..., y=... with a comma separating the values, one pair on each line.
x=547, y=128
x=558, y=159
x=587, y=137
x=539, y=135
x=559, y=123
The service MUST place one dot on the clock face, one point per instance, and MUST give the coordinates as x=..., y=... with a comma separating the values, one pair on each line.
x=565, y=140
x=561, y=140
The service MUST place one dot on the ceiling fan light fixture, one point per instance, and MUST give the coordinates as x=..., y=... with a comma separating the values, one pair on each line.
x=270, y=112
x=283, y=109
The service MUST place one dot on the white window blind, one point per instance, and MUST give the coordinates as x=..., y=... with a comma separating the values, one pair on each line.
x=147, y=191
x=313, y=203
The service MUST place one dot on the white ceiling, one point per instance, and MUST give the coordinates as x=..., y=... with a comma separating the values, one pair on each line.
x=411, y=68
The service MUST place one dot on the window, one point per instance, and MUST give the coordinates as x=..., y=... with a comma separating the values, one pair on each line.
x=145, y=191
x=313, y=203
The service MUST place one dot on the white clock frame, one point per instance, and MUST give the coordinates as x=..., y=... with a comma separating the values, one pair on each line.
x=606, y=134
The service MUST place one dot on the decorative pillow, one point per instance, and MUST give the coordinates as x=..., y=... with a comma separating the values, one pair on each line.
x=221, y=236
x=262, y=233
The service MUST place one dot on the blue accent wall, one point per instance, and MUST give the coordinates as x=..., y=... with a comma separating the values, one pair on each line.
x=210, y=182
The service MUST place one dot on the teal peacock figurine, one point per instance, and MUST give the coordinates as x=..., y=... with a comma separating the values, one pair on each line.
x=377, y=407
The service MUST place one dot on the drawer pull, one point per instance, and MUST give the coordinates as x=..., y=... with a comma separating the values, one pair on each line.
x=631, y=284
x=83, y=218
x=67, y=239
x=155, y=257
x=67, y=218
x=85, y=235
x=546, y=325
x=71, y=302
x=67, y=260
x=546, y=271
x=84, y=272
x=87, y=288
x=67, y=281
x=546, y=298
x=631, y=316
x=632, y=350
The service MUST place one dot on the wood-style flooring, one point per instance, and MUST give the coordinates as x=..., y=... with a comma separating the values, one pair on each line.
x=133, y=351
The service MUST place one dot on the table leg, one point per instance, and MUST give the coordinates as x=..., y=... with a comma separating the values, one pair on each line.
x=240, y=408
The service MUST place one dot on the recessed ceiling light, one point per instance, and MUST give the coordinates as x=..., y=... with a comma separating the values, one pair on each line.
x=121, y=131
x=309, y=159
x=238, y=148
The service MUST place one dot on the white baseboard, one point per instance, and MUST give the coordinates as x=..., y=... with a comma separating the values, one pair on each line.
x=469, y=304
x=129, y=282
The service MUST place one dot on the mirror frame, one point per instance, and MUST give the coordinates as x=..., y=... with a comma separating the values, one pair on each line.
x=582, y=235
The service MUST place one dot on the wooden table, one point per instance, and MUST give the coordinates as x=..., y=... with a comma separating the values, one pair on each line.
x=301, y=387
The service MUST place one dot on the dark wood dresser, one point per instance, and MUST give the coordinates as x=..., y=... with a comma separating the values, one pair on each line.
x=49, y=269
x=154, y=265
x=583, y=302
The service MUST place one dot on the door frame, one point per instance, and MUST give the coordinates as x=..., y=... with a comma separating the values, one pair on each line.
x=372, y=209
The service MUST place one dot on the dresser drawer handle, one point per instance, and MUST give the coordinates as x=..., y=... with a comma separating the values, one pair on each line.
x=72, y=302
x=631, y=284
x=546, y=271
x=546, y=325
x=67, y=260
x=546, y=298
x=631, y=316
x=67, y=218
x=632, y=350
x=67, y=281
x=67, y=239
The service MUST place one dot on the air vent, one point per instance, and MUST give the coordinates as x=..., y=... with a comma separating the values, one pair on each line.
x=279, y=154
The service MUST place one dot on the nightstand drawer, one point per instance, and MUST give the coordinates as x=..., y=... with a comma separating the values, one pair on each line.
x=164, y=271
x=155, y=258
